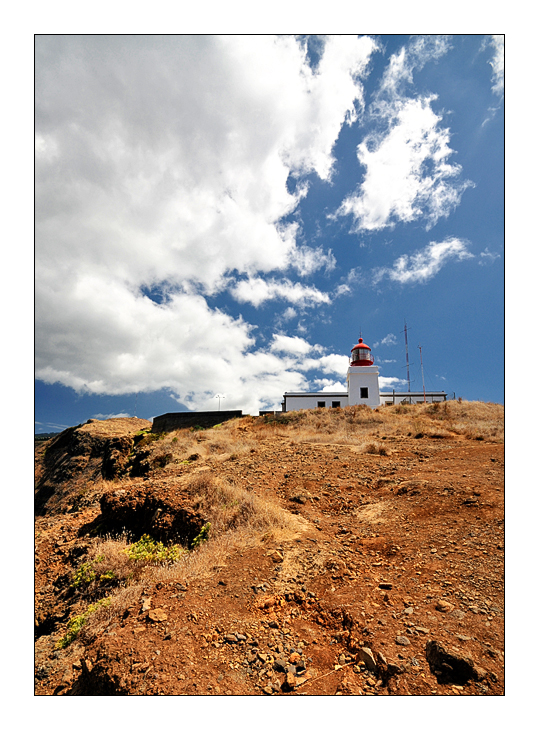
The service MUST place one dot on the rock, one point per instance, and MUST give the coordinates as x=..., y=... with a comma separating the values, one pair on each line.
x=459, y=615
x=365, y=655
x=279, y=665
x=409, y=611
x=157, y=614
x=289, y=683
x=385, y=586
x=294, y=657
x=402, y=640
x=449, y=667
x=444, y=606
x=231, y=638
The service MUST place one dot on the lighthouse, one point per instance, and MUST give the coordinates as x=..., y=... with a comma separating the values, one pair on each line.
x=362, y=388
x=362, y=377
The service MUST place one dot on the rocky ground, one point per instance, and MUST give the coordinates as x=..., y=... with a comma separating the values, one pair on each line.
x=388, y=578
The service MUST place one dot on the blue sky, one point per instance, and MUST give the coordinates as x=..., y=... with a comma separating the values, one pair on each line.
x=225, y=215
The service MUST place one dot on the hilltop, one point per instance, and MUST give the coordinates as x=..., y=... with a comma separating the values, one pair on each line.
x=342, y=551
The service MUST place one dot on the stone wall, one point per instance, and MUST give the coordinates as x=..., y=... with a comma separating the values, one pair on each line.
x=189, y=419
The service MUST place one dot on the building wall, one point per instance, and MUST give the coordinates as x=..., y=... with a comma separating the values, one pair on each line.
x=189, y=419
x=363, y=377
x=300, y=401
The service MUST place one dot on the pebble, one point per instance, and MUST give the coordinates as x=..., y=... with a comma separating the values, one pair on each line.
x=402, y=640
x=444, y=606
x=157, y=614
x=365, y=655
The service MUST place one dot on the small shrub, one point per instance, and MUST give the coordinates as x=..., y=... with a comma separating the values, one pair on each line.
x=150, y=551
x=76, y=623
x=202, y=536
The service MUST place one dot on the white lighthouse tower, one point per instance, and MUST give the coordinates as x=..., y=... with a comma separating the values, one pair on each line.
x=362, y=377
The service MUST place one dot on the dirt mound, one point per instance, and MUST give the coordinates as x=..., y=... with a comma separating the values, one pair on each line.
x=344, y=556
x=163, y=513
x=69, y=465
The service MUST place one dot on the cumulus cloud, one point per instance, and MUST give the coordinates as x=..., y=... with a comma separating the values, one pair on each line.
x=326, y=385
x=408, y=175
x=401, y=67
x=388, y=384
x=162, y=163
x=422, y=265
x=295, y=345
x=257, y=290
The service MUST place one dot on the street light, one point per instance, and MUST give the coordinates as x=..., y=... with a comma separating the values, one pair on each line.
x=219, y=396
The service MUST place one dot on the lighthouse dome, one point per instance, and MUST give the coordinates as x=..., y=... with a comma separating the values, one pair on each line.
x=361, y=354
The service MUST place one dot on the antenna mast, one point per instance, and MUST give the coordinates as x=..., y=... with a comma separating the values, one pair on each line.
x=422, y=376
x=407, y=363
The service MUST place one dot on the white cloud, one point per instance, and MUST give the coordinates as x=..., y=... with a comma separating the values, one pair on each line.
x=402, y=64
x=294, y=345
x=487, y=257
x=256, y=291
x=389, y=339
x=388, y=383
x=328, y=364
x=422, y=265
x=326, y=385
x=163, y=161
x=307, y=260
x=407, y=173
x=498, y=64
x=105, y=416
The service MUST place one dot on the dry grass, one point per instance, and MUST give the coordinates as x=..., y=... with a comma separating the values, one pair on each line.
x=238, y=520
x=359, y=425
x=183, y=445
x=229, y=506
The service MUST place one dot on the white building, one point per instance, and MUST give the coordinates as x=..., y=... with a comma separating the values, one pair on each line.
x=362, y=388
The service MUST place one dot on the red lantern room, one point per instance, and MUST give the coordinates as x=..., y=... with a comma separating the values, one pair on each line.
x=361, y=354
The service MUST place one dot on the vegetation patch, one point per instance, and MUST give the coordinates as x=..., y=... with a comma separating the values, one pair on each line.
x=151, y=551
x=76, y=623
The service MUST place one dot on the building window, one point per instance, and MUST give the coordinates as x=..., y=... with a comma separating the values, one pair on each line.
x=335, y=403
x=321, y=404
x=363, y=392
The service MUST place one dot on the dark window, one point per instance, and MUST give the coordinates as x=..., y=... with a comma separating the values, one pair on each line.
x=363, y=392
x=335, y=403
x=321, y=404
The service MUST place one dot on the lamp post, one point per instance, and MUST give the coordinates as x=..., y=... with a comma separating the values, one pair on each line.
x=219, y=396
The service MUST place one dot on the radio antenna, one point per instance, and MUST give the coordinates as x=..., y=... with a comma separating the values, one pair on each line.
x=407, y=362
x=422, y=376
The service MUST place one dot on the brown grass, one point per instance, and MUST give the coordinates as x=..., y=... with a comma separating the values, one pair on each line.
x=229, y=506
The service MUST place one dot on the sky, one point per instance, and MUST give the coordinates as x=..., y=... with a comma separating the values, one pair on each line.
x=218, y=219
